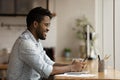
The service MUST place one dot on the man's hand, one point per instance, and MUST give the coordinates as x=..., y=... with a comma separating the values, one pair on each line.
x=78, y=65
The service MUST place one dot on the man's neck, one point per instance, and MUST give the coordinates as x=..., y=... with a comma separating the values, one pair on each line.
x=34, y=34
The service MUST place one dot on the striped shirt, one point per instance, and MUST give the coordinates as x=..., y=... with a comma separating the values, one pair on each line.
x=28, y=60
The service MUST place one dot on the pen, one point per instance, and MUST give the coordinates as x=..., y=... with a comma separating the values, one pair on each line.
x=85, y=59
x=84, y=64
x=99, y=57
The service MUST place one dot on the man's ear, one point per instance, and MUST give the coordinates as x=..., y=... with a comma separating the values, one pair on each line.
x=35, y=24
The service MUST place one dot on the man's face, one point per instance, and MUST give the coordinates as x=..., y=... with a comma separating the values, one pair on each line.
x=42, y=28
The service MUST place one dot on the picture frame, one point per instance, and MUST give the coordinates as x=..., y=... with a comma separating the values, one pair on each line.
x=20, y=7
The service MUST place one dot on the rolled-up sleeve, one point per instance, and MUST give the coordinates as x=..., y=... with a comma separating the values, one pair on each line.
x=30, y=54
x=47, y=59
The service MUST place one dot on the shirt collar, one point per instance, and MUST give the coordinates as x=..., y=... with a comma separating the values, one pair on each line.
x=32, y=37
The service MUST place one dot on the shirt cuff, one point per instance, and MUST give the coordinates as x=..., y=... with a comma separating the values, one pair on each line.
x=48, y=70
x=52, y=63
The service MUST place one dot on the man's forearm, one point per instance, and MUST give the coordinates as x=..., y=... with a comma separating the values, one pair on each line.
x=60, y=69
x=59, y=64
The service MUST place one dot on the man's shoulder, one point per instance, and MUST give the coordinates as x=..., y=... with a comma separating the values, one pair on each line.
x=25, y=35
x=26, y=42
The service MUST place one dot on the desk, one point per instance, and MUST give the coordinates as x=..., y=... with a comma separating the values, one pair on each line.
x=108, y=74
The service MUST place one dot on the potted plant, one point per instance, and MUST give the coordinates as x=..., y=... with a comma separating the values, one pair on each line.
x=81, y=34
x=67, y=52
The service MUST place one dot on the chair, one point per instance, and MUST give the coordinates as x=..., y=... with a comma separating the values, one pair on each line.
x=50, y=52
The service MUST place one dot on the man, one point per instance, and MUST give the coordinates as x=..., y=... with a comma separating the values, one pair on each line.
x=28, y=60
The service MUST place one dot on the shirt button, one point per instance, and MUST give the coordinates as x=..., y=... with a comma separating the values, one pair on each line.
x=36, y=45
x=35, y=75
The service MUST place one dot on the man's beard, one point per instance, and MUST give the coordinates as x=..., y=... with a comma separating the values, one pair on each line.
x=40, y=35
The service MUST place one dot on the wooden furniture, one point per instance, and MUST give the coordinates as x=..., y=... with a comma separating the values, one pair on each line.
x=3, y=68
x=108, y=74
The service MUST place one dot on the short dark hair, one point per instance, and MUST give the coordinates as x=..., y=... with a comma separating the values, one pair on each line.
x=37, y=14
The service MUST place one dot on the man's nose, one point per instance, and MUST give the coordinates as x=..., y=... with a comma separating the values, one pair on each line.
x=47, y=30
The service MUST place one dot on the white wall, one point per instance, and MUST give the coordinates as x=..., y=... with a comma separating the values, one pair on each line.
x=108, y=30
x=117, y=34
x=8, y=36
x=99, y=25
x=67, y=11
x=104, y=23
x=61, y=34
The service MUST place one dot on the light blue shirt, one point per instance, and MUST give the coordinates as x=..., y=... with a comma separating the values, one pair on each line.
x=28, y=60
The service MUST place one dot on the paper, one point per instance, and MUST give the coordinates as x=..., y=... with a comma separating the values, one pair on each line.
x=77, y=74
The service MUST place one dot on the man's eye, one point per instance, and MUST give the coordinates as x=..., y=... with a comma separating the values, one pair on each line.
x=47, y=24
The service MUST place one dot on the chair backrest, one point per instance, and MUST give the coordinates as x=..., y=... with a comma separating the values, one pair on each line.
x=50, y=52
